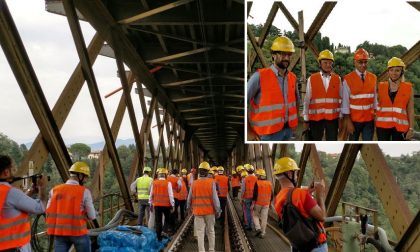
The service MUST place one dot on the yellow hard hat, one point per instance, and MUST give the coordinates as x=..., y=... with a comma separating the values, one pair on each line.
x=162, y=171
x=211, y=172
x=147, y=169
x=80, y=167
x=204, y=165
x=233, y=172
x=184, y=171
x=285, y=164
x=261, y=172
x=394, y=62
x=239, y=168
x=282, y=44
x=220, y=168
x=249, y=167
x=244, y=174
x=326, y=54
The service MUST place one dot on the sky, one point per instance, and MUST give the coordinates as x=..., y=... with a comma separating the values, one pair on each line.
x=351, y=22
x=51, y=49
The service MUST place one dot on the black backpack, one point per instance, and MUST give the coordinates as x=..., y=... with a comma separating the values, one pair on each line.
x=302, y=233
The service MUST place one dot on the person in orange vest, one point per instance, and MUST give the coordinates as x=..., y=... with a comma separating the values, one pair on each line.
x=223, y=182
x=176, y=187
x=273, y=96
x=359, y=99
x=311, y=209
x=235, y=184
x=205, y=205
x=395, y=113
x=184, y=176
x=181, y=197
x=161, y=200
x=247, y=193
x=263, y=195
x=322, y=102
x=15, y=208
x=67, y=209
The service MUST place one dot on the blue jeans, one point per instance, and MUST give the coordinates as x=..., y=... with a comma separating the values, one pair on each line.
x=63, y=243
x=364, y=128
x=283, y=135
x=143, y=210
x=248, y=214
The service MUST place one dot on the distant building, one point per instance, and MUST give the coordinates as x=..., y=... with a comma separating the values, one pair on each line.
x=333, y=155
x=342, y=50
x=94, y=155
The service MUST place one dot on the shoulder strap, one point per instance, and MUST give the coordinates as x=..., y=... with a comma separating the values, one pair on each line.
x=289, y=196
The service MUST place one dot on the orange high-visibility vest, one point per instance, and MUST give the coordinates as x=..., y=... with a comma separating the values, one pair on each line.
x=202, y=197
x=160, y=193
x=183, y=193
x=362, y=95
x=64, y=216
x=268, y=116
x=249, y=186
x=223, y=182
x=324, y=104
x=174, y=183
x=236, y=181
x=298, y=198
x=16, y=231
x=395, y=114
x=264, y=192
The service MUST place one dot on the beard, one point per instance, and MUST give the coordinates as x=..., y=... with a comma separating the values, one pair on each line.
x=283, y=64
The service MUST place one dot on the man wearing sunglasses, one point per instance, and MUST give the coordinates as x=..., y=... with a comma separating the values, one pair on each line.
x=359, y=98
x=273, y=96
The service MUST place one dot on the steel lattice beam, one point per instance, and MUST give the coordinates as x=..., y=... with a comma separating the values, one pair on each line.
x=28, y=82
x=341, y=175
x=389, y=192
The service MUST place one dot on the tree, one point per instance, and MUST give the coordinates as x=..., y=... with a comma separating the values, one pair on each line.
x=10, y=148
x=79, y=150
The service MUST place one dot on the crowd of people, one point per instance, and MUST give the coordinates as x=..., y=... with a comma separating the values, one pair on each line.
x=163, y=203
x=334, y=108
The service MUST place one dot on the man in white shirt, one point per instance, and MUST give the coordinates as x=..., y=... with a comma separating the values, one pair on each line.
x=322, y=103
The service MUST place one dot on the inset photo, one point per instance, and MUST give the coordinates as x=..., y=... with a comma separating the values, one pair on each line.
x=317, y=71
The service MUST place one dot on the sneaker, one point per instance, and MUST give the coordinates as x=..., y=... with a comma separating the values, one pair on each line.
x=258, y=233
x=261, y=236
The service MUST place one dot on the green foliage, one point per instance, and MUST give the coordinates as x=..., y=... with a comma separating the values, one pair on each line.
x=79, y=151
x=11, y=148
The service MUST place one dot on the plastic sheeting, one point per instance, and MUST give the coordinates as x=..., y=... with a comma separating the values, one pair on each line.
x=130, y=238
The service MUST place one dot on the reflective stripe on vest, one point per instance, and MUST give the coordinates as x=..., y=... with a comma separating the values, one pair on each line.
x=361, y=96
x=324, y=104
x=143, y=186
x=298, y=197
x=160, y=193
x=249, y=186
x=16, y=231
x=267, y=117
x=183, y=193
x=394, y=114
x=202, y=196
x=64, y=215
x=264, y=193
x=223, y=182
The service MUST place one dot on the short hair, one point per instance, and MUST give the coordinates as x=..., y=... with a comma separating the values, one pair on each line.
x=174, y=171
x=5, y=162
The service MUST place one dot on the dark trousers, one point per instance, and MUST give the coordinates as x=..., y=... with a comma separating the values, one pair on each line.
x=364, y=128
x=143, y=208
x=159, y=211
x=235, y=191
x=223, y=207
x=317, y=129
x=181, y=205
x=389, y=134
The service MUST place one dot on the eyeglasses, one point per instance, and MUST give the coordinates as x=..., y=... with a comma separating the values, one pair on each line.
x=361, y=62
x=283, y=53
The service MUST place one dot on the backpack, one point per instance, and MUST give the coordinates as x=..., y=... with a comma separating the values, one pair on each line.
x=302, y=233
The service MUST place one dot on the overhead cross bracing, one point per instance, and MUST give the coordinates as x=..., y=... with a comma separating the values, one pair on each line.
x=200, y=46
